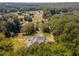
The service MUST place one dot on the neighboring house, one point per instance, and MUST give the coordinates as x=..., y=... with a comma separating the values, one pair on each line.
x=36, y=39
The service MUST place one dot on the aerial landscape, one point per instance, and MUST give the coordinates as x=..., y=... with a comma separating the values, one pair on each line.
x=39, y=29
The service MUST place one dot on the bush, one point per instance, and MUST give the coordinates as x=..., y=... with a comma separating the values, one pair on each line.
x=6, y=47
x=2, y=37
x=48, y=50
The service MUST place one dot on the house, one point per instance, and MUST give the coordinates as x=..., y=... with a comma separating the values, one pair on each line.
x=36, y=39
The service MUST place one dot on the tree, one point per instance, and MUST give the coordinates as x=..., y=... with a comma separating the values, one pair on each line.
x=28, y=18
x=28, y=29
x=45, y=28
x=46, y=14
x=65, y=29
x=9, y=24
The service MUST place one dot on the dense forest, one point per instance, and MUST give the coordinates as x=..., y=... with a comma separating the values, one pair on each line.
x=39, y=29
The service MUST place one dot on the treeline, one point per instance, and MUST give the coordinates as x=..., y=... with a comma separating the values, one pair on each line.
x=53, y=7
x=14, y=7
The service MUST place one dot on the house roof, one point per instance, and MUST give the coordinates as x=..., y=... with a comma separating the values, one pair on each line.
x=36, y=39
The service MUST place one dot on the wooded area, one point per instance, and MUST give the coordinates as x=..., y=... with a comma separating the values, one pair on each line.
x=39, y=29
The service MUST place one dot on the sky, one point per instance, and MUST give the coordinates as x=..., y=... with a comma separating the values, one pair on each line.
x=37, y=1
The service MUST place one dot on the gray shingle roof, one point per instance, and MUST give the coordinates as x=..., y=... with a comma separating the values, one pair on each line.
x=36, y=39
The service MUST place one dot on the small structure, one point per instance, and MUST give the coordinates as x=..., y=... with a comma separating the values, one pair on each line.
x=36, y=39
